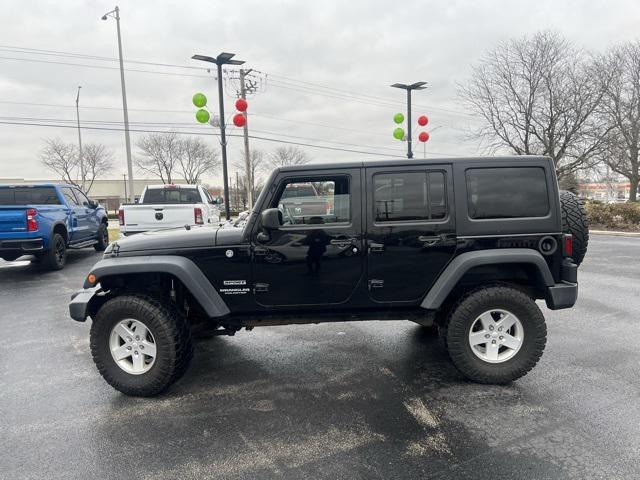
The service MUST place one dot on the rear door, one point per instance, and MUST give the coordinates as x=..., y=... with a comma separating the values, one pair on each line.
x=410, y=230
x=316, y=257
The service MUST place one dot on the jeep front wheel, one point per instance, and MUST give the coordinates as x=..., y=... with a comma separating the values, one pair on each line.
x=140, y=345
x=495, y=334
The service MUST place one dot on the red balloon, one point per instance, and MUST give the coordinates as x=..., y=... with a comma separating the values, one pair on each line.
x=423, y=137
x=239, y=120
x=241, y=105
x=422, y=121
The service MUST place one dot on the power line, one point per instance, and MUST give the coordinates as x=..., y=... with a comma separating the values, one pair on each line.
x=103, y=67
x=308, y=87
x=267, y=139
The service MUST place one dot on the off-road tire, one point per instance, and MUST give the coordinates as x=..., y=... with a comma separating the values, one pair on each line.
x=55, y=258
x=103, y=238
x=574, y=221
x=467, y=310
x=171, y=334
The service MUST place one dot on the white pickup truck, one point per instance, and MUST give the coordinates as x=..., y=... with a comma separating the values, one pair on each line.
x=168, y=206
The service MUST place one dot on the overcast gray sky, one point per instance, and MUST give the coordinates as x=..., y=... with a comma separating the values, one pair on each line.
x=329, y=65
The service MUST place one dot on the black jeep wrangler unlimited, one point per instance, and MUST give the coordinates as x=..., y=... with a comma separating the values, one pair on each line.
x=462, y=246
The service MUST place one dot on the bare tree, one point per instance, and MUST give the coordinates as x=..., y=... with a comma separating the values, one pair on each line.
x=285, y=156
x=258, y=165
x=160, y=154
x=196, y=159
x=619, y=72
x=97, y=160
x=62, y=158
x=536, y=95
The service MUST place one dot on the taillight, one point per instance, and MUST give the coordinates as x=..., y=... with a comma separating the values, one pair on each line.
x=32, y=223
x=121, y=217
x=567, y=249
x=197, y=216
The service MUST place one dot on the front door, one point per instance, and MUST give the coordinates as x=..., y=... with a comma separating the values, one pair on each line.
x=410, y=230
x=316, y=256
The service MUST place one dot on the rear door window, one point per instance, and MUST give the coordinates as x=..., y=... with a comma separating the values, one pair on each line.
x=68, y=195
x=509, y=192
x=28, y=196
x=409, y=196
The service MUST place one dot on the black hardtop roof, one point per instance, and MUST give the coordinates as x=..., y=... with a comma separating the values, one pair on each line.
x=399, y=162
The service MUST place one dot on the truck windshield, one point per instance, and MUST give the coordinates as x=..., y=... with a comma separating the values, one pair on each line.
x=28, y=196
x=171, y=195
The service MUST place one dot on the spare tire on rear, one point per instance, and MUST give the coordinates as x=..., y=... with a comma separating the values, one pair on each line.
x=574, y=221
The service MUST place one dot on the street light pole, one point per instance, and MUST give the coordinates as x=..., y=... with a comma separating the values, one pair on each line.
x=409, y=89
x=80, y=164
x=223, y=59
x=115, y=13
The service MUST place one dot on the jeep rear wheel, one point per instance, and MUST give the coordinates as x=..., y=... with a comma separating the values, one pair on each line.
x=140, y=345
x=495, y=334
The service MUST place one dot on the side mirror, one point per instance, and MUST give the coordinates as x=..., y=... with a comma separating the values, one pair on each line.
x=271, y=219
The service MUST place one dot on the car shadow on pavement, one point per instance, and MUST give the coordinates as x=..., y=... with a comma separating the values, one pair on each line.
x=295, y=404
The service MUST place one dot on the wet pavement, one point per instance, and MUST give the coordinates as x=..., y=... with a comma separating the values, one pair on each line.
x=347, y=400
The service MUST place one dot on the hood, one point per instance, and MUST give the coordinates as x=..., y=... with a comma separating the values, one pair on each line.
x=176, y=239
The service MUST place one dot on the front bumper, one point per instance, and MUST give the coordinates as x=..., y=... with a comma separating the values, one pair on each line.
x=79, y=306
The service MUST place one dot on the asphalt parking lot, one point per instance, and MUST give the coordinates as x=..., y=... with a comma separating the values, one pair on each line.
x=354, y=400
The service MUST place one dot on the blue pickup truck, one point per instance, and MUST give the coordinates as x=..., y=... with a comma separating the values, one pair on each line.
x=45, y=220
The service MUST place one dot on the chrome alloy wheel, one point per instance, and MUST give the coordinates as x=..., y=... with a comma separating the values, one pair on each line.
x=132, y=346
x=496, y=336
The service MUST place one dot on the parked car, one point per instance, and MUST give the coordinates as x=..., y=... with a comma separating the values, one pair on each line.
x=168, y=206
x=45, y=219
x=463, y=247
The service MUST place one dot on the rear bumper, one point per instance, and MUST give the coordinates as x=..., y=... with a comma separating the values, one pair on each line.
x=79, y=306
x=562, y=295
x=17, y=247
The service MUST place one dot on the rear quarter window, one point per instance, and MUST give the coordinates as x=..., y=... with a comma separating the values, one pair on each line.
x=507, y=192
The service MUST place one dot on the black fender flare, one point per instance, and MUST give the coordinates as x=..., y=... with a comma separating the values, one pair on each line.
x=180, y=267
x=452, y=274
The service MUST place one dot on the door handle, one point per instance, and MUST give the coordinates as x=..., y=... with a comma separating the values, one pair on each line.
x=376, y=247
x=429, y=241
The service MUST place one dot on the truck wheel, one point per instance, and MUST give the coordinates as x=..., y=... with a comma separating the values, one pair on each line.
x=574, y=221
x=103, y=238
x=495, y=334
x=56, y=257
x=140, y=345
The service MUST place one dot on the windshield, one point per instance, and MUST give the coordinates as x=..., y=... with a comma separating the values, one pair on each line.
x=171, y=195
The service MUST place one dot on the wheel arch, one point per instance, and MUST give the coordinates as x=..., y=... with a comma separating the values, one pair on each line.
x=60, y=228
x=139, y=272
x=513, y=265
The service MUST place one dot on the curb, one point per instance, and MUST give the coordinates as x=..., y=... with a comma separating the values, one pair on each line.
x=614, y=233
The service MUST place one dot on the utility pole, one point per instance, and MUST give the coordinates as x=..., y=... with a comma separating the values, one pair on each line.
x=409, y=88
x=247, y=157
x=80, y=161
x=115, y=13
x=223, y=59
x=237, y=190
x=124, y=179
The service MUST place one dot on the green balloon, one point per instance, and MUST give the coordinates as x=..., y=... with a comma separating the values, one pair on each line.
x=199, y=100
x=202, y=115
x=398, y=117
x=398, y=133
